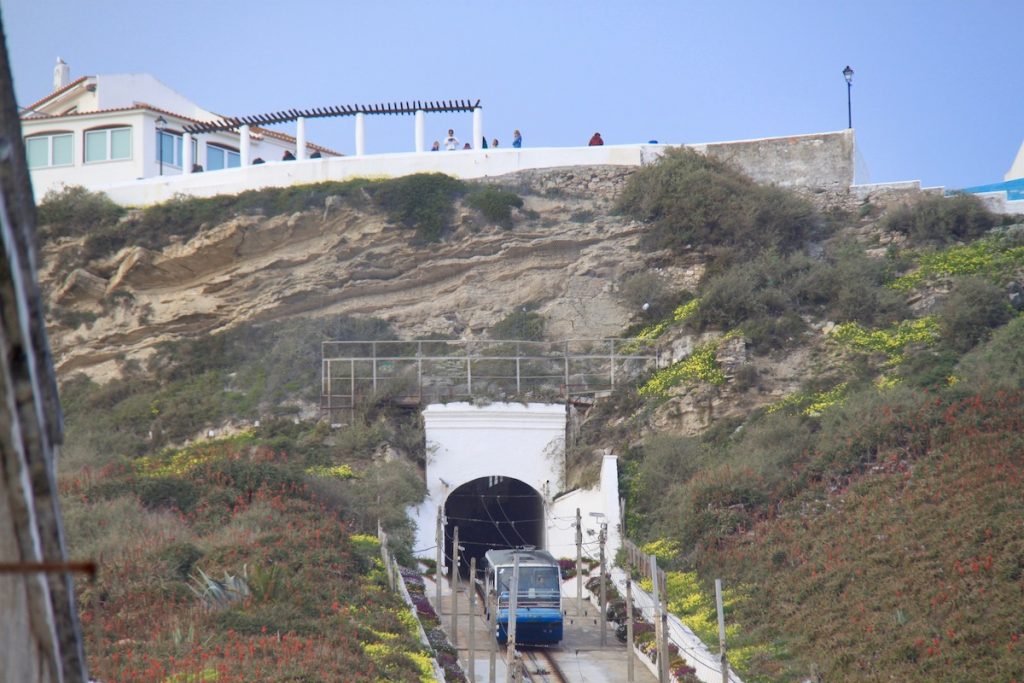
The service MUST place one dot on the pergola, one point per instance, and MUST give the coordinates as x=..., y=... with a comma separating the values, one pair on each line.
x=417, y=108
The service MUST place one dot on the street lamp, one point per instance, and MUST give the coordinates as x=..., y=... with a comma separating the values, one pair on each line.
x=848, y=75
x=161, y=126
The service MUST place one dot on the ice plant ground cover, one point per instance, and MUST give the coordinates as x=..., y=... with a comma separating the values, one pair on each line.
x=940, y=606
x=316, y=605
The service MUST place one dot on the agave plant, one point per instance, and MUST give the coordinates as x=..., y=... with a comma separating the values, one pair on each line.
x=217, y=594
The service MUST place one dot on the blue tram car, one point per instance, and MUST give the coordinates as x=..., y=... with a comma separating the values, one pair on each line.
x=539, y=599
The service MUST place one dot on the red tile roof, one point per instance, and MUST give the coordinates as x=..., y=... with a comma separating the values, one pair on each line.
x=56, y=93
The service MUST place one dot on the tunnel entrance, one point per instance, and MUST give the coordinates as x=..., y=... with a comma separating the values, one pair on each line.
x=492, y=512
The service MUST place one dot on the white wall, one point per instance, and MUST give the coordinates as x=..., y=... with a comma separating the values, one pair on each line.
x=467, y=442
x=128, y=90
x=93, y=174
x=561, y=532
x=461, y=164
x=521, y=441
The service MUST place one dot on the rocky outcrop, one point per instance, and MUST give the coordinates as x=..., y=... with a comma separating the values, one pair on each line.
x=565, y=258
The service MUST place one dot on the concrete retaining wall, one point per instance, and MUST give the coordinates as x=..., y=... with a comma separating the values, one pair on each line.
x=821, y=162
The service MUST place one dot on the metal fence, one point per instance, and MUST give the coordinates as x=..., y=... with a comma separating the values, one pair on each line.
x=431, y=371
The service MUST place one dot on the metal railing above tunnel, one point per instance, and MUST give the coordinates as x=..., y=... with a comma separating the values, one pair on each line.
x=431, y=371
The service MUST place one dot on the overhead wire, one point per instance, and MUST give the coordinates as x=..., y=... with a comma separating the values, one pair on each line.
x=514, y=528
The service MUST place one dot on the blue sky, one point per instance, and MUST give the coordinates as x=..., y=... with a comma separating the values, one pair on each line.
x=938, y=91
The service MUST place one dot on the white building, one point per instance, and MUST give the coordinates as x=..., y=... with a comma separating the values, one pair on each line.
x=99, y=131
x=1016, y=171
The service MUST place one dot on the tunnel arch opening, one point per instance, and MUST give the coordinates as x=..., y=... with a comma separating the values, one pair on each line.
x=492, y=512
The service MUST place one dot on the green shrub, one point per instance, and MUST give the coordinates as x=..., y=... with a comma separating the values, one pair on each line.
x=998, y=364
x=74, y=210
x=973, y=308
x=519, y=325
x=941, y=220
x=648, y=288
x=495, y=204
x=691, y=200
x=249, y=477
x=173, y=493
x=761, y=296
x=180, y=557
x=850, y=286
x=665, y=461
x=424, y=202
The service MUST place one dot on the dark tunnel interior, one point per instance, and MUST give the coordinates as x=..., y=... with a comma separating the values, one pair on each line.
x=492, y=512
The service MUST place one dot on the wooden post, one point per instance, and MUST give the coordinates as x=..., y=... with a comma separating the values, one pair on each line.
x=472, y=620
x=513, y=603
x=455, y=587
x=721, y=631
x=629, y=631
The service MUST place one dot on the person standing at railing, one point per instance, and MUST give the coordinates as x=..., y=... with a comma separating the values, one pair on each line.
x=517, y=139
x=451, y=142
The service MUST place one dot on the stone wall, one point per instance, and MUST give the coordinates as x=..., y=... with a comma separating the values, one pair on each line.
x=822, y=161
x=603, y=182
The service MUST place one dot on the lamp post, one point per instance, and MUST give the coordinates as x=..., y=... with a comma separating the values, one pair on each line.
x=161, y=126
x=848, y=75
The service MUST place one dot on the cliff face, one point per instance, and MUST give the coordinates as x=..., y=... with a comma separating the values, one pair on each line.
x=565, y=256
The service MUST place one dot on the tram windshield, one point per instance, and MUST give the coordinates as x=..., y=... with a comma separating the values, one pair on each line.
x=536, y=579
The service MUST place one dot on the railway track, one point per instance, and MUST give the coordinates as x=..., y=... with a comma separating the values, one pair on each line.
x=540, y=667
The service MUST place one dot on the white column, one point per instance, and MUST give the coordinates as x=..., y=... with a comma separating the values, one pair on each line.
x=186, y=153
x=300, y=139
x=421, y=125
x=478, y=127
x=360, y=134
x=244, y=146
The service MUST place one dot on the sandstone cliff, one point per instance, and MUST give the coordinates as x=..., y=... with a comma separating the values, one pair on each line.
x=565, y=256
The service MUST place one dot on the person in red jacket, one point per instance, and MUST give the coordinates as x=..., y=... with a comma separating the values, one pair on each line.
x=596, y=140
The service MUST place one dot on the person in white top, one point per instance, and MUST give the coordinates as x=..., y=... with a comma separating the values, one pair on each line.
x=451, y=142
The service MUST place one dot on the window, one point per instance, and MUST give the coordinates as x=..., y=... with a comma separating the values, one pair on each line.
x=169, y=148
x=53, y=149
x=109, y=144
x=168, y=151
x=221, y=157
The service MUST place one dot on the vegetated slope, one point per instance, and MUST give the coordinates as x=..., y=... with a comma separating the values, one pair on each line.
x=868, y=523
x=817, y=381
x=249, y=557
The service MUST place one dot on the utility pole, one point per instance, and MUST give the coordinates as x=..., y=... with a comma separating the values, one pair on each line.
x=455, y=587
x=579, y=565
x=472, y=619
x=659, y=625
x=492, y=622
x=721, y=631
x=629, y=631
x=439, y=540
x=604, y=600
x=513, y=594
x=664, y=622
